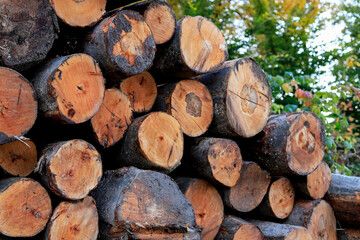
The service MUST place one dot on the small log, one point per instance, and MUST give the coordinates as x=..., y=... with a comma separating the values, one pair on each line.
x=348, y=234
x=234, y=228
x=18, y=158
x=344, y=197
x=317, y=216
x=207, y=204
x=197, y=47
x=290, y=144
x=138, y=202
x=141, y=90
x=113, y=118
x=70, y=89
x=242, y=98
x=154, y=141
x=25, y=207
x=74, y=220
x=316, y=184
x=249, y=190
x=190, y=102
x=216, y=159
x=79, y=13
x=27, y=32
x=278, y=231
x=70, y=169
x=18, y=105
x=123, y=44
x=279, y=200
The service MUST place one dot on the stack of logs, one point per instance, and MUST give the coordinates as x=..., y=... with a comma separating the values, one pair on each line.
x=99, y=101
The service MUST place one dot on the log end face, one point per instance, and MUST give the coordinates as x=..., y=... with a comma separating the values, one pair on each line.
x=318, y=182
x=322, y=223
x=282, y=197
x=300, y=234
x=248, y=231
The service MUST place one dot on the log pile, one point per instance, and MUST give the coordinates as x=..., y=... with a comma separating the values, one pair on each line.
x=119, y=122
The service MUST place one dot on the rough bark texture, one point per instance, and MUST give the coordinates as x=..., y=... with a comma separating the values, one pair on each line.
x=344, y=197
x=348, y=234
x=234, y=228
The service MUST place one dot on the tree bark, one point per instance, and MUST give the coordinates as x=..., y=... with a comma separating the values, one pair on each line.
x=234, y=228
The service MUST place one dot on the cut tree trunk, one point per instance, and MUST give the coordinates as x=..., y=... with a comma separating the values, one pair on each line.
x=74, y=220
x=316, y=184
x=190, y=102
x=234, y=228
x=216, y=159
x=70, y=169
x=249, y=190
x=242, y=98
x=19, y=157
x=147, y=203
x=344, y=197
x=25, y=207
x=27, y=32
x=70, y=89
x=141, y=90
x=279, y=200
x=290, y=144
x=79, y=13
x=317, y=216
x=18, y=105
x=197, y=47
x=112, y=120
x=154, y=141
x=278, y=231
x=348, y=234
x=207, y=205
x=123, y=44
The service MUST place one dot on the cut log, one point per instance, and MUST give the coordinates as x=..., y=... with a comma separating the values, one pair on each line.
x=123, y=44
x=18, y=158
x=141, y=90
x=27, y=32
x=197, y=47
x=133, y=201
x=317, y=216
x=279, y=200
x=316, y=184
x=290, y=144
x=249, y=190
x=113, y=118
x=154, y=141
x=207, y=205
x=74, y=220
x=234, y=228
x=344, y=197
x=70, y=169
x=190, y=102
x=25, y=207
x=348, y=234
x=18, y=105
x=70, y=89
x=278, y=231
x=79, y=13
x=242, y=98
x=216, y=159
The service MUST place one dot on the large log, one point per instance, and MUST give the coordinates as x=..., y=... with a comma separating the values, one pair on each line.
x=197, y=47
x=290, y=144
x=234, y=228
x=123, y=44
x=206, y=202
x=348, y=234
x=138, y=202
x=70, y=88
x=18, y=105
x=70, y=169
x=74, y=220
x=25, y=207
x=344, y=197
x=249, y=190
x=216, y=159
x=154, y=141
x=242, y=98
x=190, y=102
x=317, y=216
x=27, y=32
